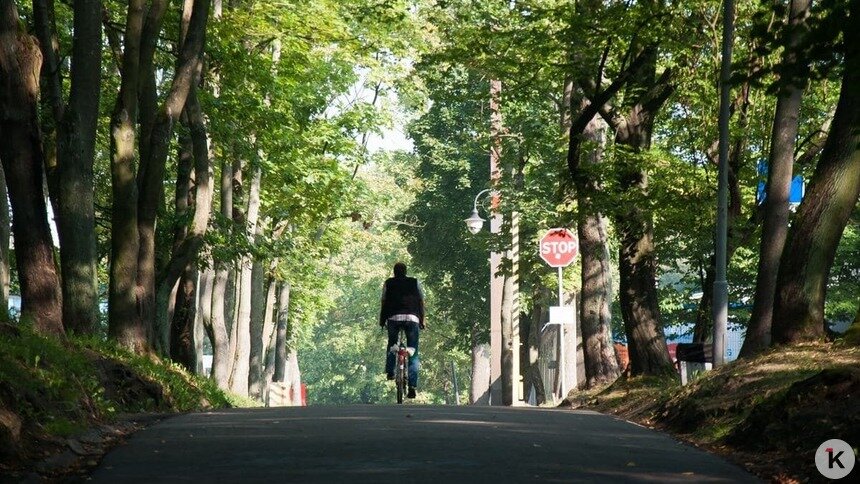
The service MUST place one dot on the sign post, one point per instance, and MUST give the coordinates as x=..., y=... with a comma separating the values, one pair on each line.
x=558, y=248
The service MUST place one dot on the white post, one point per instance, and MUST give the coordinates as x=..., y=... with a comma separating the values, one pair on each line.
x=575, y=348
x=561, y=373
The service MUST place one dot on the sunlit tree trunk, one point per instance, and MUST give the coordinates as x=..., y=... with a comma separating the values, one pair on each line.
x=70, y=173
x=259, y=293
x=270, y=335
x=204, y=305
x=282, y=333
x=821, y=218
x=780, y=166
x=154, y=156
x=124, y=324
x=601, y=365
x=241, y=367
x=221, y=357
x=637, y=264
x=21, y=156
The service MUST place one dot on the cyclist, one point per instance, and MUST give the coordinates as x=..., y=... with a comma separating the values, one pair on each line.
x=402, y=306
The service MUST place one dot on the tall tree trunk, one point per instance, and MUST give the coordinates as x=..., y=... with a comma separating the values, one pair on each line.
x=5, y=229
x=204, y=307
x=780, y=165
x=76, y=154
x=21, y=155
x=151, y=174
x=184, y=312
x=182, y=347
x=124, y=324
x=601, y=365
x=637, y=265
x=269, y=335
x=830, y=197
x=282, y=333
x=221, y=358
x=51, y=81
x=259, y=291
x=241, y=368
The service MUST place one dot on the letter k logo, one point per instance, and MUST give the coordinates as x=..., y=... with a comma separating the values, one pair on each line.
x=831, y=459
x=835, y=459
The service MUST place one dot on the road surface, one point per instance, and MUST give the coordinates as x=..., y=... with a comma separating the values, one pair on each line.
x=438, y=444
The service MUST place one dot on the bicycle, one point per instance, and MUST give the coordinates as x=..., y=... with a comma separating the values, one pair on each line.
x=401, y=366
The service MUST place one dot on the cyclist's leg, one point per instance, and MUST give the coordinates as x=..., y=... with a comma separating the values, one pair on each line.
x=414, y=360
x=393, y=330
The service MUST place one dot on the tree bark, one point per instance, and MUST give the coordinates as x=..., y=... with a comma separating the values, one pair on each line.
x=204, y=306
x=51, y=82
x=259, y=292
x=22, y=159
x=637, y=265
x=269, y=336
x=124, y=324
x=222, y=358
x=601, y=364
x=282, y=333
x=151, y=174
x=239, y=377
x=776, y=208
x=76, y=153
x=821, y=218
x=184, y=312
x=182, y=347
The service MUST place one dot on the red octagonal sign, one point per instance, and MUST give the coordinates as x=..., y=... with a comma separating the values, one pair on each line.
x=558, y=247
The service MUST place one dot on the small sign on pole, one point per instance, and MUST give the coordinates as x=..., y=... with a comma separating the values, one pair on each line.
x=558, y=248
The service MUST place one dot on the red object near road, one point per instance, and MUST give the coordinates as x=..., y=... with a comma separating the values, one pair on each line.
x=558, y=247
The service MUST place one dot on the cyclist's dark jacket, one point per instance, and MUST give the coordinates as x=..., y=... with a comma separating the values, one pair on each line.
x=401, y=297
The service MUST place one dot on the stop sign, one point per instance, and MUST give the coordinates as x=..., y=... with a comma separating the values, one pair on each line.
x=558, y=247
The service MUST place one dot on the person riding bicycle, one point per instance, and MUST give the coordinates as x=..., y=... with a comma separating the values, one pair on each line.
x=402, y=308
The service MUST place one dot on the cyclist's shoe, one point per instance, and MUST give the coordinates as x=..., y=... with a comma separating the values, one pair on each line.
x=389, y=376
x=411, y=393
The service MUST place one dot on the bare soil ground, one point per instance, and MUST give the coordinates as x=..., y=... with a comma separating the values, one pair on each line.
x=768, y=414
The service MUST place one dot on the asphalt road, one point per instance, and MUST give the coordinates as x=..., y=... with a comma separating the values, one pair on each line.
x=438, y=444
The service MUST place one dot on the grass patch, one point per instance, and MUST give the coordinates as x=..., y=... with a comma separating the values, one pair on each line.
x=51, y=389
x=769, y=413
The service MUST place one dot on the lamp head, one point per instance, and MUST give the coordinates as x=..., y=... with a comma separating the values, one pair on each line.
x=474, y=223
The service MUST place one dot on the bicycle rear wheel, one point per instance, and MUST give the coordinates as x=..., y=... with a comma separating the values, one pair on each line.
x=400, y=379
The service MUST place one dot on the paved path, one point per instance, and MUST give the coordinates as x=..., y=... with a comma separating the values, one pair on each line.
x=438, y=444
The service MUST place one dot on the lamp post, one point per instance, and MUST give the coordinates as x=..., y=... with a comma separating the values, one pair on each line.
x=474, y=223
x=721, y=298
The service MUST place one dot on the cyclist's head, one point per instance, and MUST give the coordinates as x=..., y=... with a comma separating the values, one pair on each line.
x=399, y=269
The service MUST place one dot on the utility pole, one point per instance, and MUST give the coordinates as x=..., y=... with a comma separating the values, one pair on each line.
x=721, y=298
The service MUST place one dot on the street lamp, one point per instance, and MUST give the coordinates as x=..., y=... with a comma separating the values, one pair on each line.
x=474, y=223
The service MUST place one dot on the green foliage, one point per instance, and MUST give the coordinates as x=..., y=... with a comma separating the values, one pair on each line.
x=66, y=385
